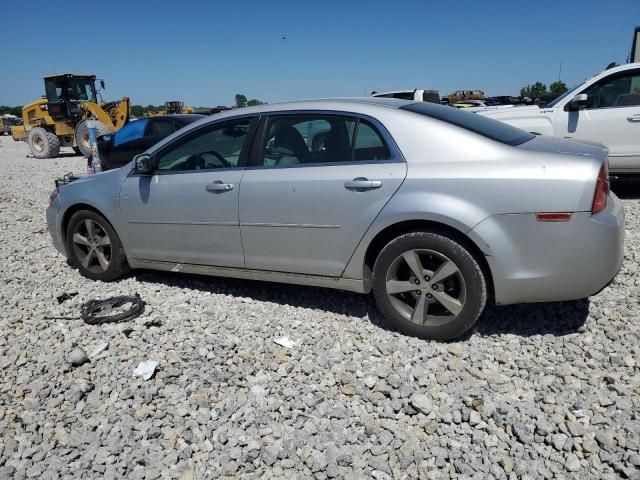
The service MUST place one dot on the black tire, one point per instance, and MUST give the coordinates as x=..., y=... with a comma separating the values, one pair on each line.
x=468, y=271
x=114, y=253
x=43, y=144
x=82, y=136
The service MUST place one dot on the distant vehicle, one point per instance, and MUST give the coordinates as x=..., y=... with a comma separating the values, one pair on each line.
x=431, y=96
x=603, y=110
x=173, y=107
x=117, y=149
x=504, y=100
x=459, y=95
x=437, y=211
x=59, y=119
x=6, y=122
x=470, y=104
x=218, y=109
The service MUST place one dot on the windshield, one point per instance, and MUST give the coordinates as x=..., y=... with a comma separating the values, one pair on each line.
x=564, y=95
x=74, y=88
x=487, y=127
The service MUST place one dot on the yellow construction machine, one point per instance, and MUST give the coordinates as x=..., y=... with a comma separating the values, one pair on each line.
x=172, y=107
x=59, y=119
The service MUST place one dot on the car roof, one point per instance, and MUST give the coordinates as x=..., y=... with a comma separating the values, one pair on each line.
x=347, y=103
x=188, y=117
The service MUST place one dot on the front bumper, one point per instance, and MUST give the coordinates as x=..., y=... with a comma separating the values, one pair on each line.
x=535, y=261
x=54, y=224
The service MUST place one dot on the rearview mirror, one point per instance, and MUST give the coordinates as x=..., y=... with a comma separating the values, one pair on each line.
x=143, y=163
x=578, y=102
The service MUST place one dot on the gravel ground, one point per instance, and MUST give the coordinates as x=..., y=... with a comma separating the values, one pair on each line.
x=537, y=391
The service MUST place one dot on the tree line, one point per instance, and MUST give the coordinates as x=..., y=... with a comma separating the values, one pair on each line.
x=538, y=91
x=17, y=111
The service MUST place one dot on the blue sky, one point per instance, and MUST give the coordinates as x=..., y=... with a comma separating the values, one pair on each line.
x=204, y=52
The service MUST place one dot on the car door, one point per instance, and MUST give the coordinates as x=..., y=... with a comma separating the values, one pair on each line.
x=611, y=117
x=187, y=210
x=316, y=183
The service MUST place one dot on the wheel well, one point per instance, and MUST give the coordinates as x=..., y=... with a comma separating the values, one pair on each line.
x=397, y=229
x=69, y=213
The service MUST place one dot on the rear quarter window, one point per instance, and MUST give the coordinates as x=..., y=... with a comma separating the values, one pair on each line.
x=487, y=127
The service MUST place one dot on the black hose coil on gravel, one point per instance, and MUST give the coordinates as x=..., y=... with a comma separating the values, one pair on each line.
x=96, y=312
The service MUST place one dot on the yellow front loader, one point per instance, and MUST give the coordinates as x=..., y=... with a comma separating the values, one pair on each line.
x=58, y=119
x=173, y=107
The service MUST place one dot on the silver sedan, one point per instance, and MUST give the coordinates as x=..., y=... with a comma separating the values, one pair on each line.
x=435, y=210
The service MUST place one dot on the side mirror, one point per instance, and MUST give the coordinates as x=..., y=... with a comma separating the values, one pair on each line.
x=102, y=84
x=143, y=164
x=578, y=102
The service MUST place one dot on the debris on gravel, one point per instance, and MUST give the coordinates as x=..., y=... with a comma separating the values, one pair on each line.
x=537, y=391
x=77, y=357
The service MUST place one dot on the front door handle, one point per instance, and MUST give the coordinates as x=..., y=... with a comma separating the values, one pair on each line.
x=362, y=183
x=217, y=187
x=634, y=118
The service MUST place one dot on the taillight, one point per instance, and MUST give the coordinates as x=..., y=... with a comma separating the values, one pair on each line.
x=602, y=191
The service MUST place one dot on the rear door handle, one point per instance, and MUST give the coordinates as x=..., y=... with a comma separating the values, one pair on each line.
x=217, y=187
x=634, y=118
x=362, y=183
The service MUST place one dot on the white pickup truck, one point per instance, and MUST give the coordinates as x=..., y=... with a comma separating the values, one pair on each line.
x=604, y=110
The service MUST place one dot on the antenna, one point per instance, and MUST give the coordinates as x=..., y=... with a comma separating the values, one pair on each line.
x=560, y=71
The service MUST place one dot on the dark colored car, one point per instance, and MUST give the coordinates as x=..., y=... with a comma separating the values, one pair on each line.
x=118, y=148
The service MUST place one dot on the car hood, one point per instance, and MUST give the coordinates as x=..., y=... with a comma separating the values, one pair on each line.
x=566, y=146
x=103, y=177
x=504, y=113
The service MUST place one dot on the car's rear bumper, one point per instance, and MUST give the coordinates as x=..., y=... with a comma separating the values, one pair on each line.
x=535, y=261
x=54, y=213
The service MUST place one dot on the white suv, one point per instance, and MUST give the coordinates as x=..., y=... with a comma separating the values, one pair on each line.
x=603, y=110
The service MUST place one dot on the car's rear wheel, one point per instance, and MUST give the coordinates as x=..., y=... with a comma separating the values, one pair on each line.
x=429, y=286
x=94, y=247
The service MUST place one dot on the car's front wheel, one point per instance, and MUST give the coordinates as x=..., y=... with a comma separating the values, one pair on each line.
x=94, y=247
x=429, y=286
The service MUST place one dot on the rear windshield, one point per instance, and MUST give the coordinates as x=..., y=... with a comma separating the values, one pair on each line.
x=487, y=127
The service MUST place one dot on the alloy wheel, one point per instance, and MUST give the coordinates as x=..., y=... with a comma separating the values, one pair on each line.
x=425, y=287
x=92, y=246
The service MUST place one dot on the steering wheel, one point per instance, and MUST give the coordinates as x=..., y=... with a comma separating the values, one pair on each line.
x=224, y=161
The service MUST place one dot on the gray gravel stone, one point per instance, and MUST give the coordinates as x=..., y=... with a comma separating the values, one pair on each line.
x=538, y=391
x=422, y=403
x=77, y=357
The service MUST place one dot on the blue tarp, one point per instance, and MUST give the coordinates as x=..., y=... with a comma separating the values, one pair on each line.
x=131, y=131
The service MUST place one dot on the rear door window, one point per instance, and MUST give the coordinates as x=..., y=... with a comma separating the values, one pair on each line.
x=292, y=140
x=306, y=139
